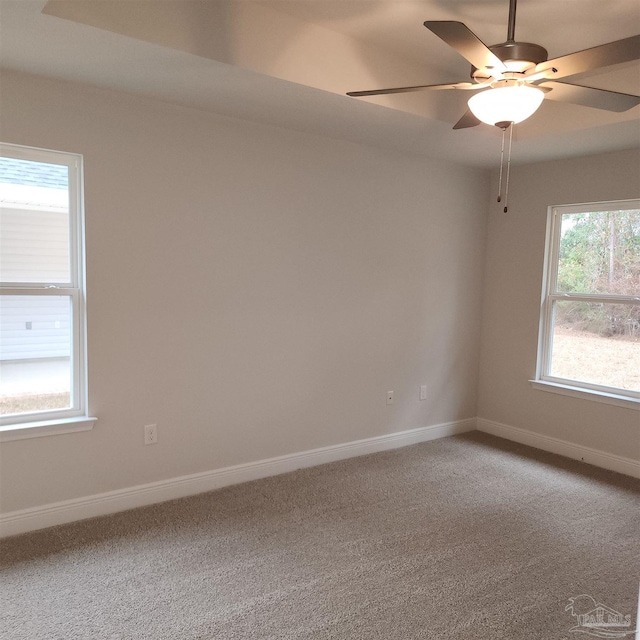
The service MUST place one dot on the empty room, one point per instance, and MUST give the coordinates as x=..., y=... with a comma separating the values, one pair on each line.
x=319, y=319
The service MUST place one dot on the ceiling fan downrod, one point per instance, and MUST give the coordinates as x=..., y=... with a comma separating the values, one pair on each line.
x=511, y=28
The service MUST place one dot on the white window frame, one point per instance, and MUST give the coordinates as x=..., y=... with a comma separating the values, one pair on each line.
x=74, y=418
x=550, y=295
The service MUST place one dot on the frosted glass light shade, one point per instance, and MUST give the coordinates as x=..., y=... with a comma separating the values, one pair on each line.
x=506, y=104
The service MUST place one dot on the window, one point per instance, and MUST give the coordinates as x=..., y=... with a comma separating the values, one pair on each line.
x=42, y=336
x=590, y=320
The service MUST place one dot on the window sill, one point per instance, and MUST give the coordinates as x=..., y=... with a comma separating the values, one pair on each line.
x=45, y=428
x=586, y=394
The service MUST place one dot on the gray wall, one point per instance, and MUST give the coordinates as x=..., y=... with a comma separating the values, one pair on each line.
x=512, y=289
x=252, y=290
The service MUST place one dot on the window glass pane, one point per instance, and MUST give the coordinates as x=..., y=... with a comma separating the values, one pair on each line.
x=600, y=253
x=597, y=343
x=35, y=353
x=34, y=217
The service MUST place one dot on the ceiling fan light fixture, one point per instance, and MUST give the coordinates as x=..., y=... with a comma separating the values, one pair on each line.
x=510, y=104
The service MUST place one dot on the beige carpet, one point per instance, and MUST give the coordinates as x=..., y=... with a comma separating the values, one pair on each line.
x=460, y=538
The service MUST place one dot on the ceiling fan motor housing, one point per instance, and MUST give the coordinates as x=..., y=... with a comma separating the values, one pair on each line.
x=518, y=57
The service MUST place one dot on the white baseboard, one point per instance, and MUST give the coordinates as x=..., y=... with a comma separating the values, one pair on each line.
x=16, y=522
x=601, y=459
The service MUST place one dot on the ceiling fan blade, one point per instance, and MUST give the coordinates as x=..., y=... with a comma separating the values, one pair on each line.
x=467, y=120
x=467, y=44
x=590, y=97
x=423, y=87
x=603, y=56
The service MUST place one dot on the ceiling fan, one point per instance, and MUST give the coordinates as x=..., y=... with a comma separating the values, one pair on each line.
x=516, y=76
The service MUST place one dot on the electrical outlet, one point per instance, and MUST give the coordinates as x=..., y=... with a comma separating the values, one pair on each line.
x=389, y=397
x=423, y=392
x=151, y=434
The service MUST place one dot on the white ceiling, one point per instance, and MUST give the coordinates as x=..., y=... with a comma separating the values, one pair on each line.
x=289, y=63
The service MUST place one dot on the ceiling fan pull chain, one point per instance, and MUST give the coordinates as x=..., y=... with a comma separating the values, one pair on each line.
x=506, y=191
x=501, y=165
